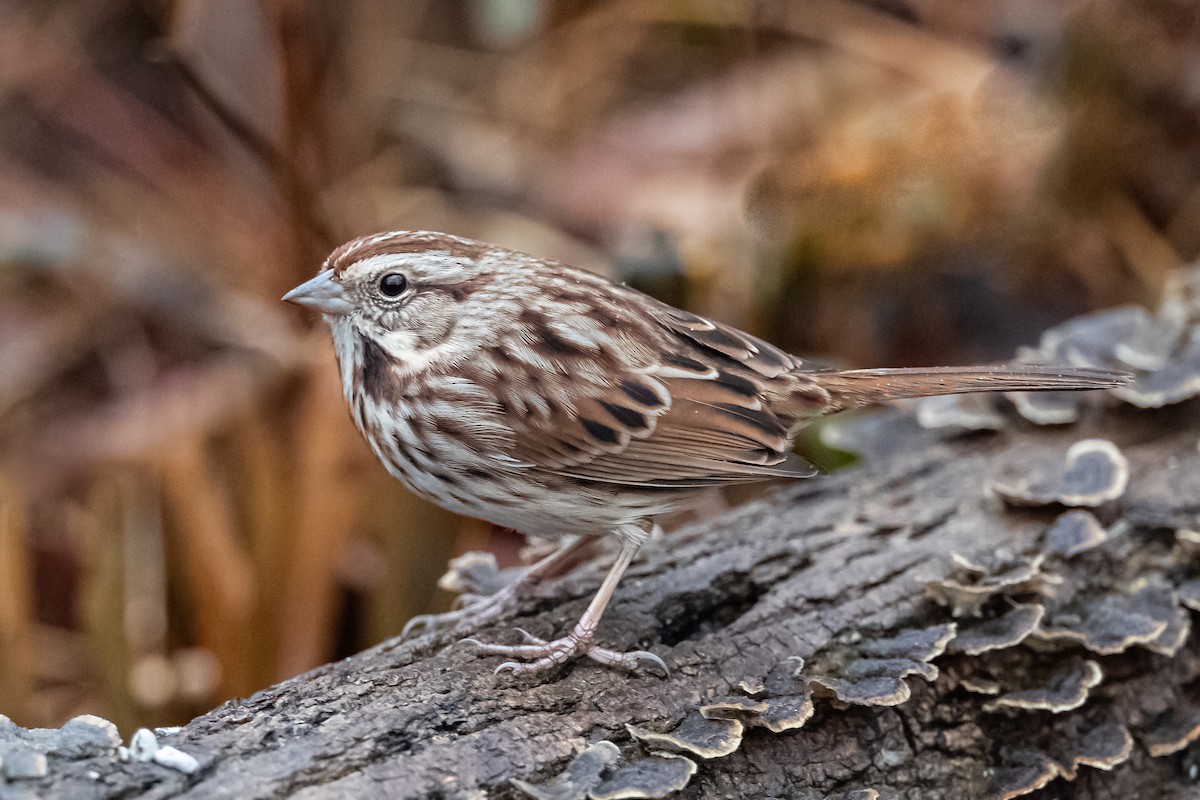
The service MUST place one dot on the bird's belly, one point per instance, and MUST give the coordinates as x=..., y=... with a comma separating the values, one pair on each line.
x=496, y=488
x=533, y=507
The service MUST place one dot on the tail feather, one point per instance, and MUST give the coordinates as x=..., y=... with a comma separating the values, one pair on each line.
x=859, y=387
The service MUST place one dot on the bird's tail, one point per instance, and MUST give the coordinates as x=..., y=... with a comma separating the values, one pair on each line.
x=860, y=387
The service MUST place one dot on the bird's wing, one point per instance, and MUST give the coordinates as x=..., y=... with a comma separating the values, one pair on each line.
x=688, y=411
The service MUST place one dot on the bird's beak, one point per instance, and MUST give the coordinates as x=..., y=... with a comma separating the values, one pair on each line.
x=322, y=293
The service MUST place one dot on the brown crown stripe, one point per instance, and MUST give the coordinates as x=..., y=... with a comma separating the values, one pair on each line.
x=403, y=242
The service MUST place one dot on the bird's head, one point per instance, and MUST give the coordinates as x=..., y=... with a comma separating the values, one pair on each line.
x=407, y=291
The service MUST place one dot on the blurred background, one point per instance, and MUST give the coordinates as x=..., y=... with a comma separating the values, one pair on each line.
x=186, y=512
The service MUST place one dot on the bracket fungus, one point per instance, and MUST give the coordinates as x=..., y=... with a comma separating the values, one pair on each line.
x=1189, y=594
x=776, y=714
x=1072, y=533
x=598, y=773
x=1111, y=623
x=1160, y=600
x=696, y=734
x=777, y=703
x=979, y=683
x=1093, y=473
x=873, y=675
x=1066, y=688
x=1175, y=382
x=1067, y=747
x=982, y=577
x=1172, y=730
x=997, y=633
x=584, y=773
x=963, y=412
x=1047, y=408
x=661, y=775
x=1129, y=337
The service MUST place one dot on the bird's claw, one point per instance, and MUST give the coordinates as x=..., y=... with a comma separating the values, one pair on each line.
x=473, y=610
x=544, y=655
x=529, y=637
x=421, y=622
x=643, y=659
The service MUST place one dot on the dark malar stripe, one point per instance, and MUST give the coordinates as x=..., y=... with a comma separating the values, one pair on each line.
x=378, y=373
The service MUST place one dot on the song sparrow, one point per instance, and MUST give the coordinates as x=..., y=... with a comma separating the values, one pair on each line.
x=545, y=398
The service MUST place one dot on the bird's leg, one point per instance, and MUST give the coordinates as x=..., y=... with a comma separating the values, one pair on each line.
x=546, y=654
x=478, y=609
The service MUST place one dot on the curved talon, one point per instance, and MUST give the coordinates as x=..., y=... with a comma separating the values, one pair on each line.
x=420, y=621
x=529, y=667
x=656, y=665
x=632, y=661
x=471, y=640
x=529, y=637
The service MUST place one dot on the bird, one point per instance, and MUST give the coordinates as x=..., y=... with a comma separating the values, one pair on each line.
x=545, y=398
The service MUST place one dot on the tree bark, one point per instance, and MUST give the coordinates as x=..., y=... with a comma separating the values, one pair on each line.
x=813, y=646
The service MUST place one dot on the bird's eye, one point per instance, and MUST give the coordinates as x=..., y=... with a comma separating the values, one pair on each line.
x=392, y=284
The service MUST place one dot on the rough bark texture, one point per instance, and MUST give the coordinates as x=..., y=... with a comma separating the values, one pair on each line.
x=1068, y=670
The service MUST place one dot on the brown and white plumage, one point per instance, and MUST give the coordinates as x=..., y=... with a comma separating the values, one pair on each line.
x=545, y=398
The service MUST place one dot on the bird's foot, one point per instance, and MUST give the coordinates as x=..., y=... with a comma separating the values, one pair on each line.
x=479, y=571
x=474, y=610
x=541, y=655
